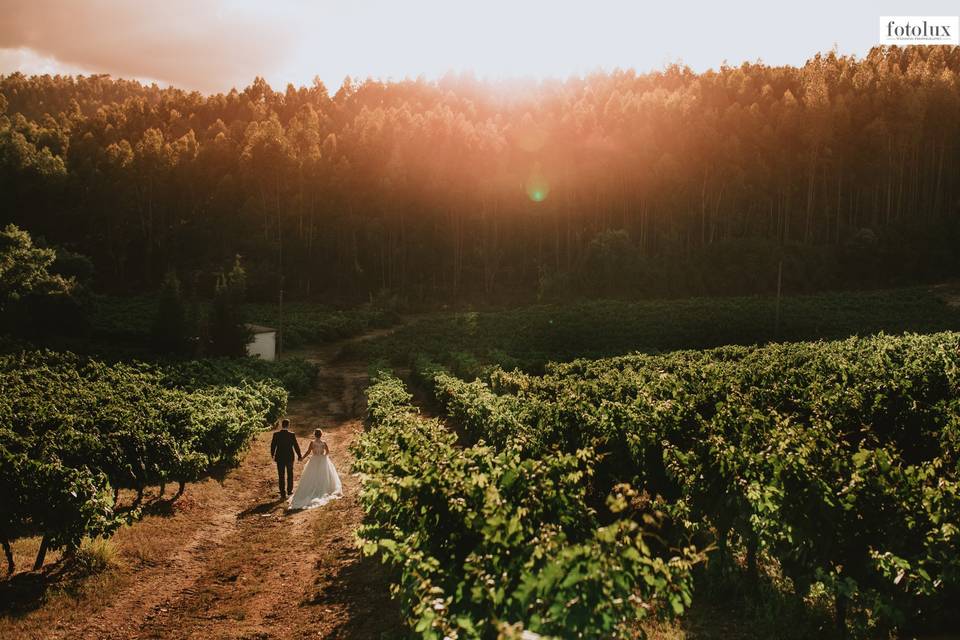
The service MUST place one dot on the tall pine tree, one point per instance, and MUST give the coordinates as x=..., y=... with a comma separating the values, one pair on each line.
x=171, y=327
x=229, y=336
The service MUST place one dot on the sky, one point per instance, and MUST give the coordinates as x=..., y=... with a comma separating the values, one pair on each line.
x=214, y=45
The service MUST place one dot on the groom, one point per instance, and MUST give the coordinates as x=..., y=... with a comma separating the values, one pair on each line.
x=282, y=446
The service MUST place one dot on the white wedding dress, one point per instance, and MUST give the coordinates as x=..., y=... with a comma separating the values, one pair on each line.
x=319, y=482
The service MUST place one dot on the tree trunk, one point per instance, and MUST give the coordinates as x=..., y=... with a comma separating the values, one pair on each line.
x=839, y=200
x=138, y=499
x=8, y=552
x=840, y=611
x=703, y=210
x=936, y=189
x=807, y=229
x=722, y=536
x=752, y=574
x=41, y=553
x=70, y=554
x=716, y=215
x=903, y=159
x=786, y=208
x=889, y=180
x=276, y=174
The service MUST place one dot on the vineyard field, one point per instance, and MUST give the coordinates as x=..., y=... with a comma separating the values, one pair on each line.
x=833, y=465
x=487, y=540
x=75, y=431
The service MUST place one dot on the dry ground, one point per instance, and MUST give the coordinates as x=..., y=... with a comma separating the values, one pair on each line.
x=227, y=560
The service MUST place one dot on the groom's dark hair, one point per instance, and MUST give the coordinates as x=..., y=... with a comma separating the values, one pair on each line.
x=284, y=423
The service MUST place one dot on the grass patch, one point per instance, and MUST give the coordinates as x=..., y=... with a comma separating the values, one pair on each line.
x=94, y=556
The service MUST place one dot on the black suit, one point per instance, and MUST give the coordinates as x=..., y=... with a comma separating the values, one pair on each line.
x=282, y=447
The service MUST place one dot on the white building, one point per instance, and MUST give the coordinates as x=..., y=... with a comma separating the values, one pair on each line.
x=264, y=343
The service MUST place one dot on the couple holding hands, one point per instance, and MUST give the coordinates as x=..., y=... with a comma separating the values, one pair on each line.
x=319, y=482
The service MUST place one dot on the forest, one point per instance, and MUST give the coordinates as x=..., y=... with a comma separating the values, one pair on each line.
x=669, y=183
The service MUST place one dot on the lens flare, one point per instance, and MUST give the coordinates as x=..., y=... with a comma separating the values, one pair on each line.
x=537, y=186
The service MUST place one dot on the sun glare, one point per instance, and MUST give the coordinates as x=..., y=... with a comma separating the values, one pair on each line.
x=537, y=186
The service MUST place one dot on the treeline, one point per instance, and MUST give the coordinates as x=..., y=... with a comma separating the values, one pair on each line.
x=663, y=183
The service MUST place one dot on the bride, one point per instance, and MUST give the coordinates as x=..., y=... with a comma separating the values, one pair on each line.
x=319, y=482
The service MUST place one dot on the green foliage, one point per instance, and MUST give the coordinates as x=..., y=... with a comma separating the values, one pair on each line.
x=45, y=495
x=73, y=266
x=307, y=323
x=94, y=556
x=128, y=321
x=296, y=375
x=73, y=429
x=837, y=460
x=610, y=257
x=24, y=268
x=171, y=329
x=485, y=537
x=414, y=187
x=529, y=337
x=614, y=266
x=36, y=300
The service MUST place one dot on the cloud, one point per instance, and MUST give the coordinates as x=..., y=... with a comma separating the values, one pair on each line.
x=209, y=46
x=30, y=62
x=213, y=45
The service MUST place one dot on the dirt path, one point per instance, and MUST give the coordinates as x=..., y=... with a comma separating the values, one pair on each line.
x=248, y=568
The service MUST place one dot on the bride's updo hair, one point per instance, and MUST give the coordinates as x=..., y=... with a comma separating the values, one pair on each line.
x=318, y=433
